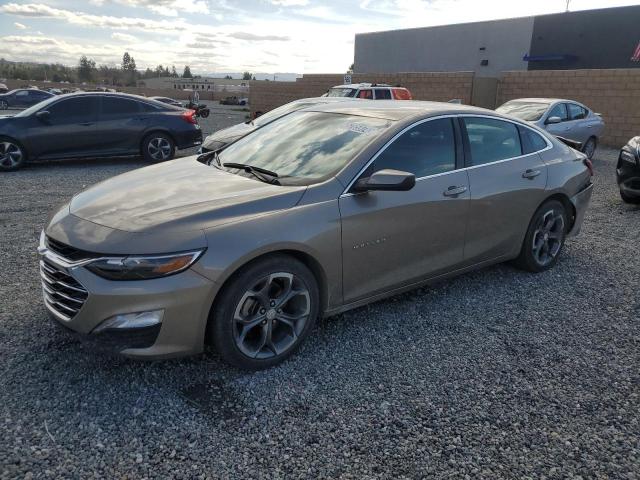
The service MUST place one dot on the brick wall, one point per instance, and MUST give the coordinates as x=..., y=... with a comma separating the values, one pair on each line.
x=615, y=94
x=265, y=96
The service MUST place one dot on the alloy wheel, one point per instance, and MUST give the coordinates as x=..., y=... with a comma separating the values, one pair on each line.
x=548, y=237
x=590, y=148
x=10, y=155
x=159, y=148
x=271, y=315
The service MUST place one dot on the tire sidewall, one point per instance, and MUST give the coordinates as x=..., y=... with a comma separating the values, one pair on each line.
x=526, y=259
x=221, y=321
x=595, y=146
x=145, y=147
x=24, y=156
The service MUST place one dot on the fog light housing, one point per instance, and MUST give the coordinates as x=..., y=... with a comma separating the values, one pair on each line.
x=127, y=321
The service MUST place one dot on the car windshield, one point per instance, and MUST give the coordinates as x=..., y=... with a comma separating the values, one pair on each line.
x=37, y=107
x=341, y=92
x=305, y=147
x=527, y=111
x=279, y=112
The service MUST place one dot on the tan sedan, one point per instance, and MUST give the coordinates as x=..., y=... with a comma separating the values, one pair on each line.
x=323, y=210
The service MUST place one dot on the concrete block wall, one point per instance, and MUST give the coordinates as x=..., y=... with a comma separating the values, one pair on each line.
x=614, y=93
x=433, y=86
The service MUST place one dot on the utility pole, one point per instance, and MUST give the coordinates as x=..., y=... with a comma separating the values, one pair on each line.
x=568, y=2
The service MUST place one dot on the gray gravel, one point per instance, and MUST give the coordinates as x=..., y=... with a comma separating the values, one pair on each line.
x=495, y=374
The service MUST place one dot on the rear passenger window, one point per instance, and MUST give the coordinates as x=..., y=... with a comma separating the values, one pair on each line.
x=366, y=94
x=383, y=94
x=492, y=140
x=426, y=149
x=119, y=106
x=576, y=112
x=531, y=141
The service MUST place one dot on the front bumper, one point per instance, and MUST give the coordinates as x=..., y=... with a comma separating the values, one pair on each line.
x=580, y=202
x=628, y=172
x=184, y=298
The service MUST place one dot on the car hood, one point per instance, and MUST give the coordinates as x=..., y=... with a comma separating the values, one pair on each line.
x=180, y=195
x=227, y=135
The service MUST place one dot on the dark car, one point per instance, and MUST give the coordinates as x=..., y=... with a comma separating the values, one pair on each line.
x=628, y=171
x=168, y=101
x=23, y=98
x=96, y=125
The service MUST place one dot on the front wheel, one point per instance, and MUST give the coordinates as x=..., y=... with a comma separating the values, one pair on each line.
x=629, y=199
x=158, y=147
x=265, y=313
x=204, y=113
x=12, y=156
x=589, y=148
x=545, y=238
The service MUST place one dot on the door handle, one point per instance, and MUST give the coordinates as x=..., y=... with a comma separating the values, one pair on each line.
x=454, y=191
x=531, y=174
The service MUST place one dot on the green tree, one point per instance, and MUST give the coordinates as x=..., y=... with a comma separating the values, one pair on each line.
x=126, y=61
x=246, y=76
x=174, y=73
x=187, y=72
x=86, y=69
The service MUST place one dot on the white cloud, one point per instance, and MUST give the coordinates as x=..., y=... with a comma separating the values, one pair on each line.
x=290, y=3
x=124, y=37
x=20, y=26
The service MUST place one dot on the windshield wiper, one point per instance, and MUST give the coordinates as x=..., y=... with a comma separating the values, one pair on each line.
x=260, y=173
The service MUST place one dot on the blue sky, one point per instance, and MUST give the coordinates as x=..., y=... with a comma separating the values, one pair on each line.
x=303, y=36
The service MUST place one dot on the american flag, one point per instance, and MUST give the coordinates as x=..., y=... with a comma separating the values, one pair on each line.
x=636, y=54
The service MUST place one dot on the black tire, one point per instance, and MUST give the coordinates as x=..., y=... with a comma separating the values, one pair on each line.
x=589, y=147
x=12, y=155
x=240, y=322
x=204, y=113
x=158, y=147
x=629, y=199
x=4, y=105
x=532, y=257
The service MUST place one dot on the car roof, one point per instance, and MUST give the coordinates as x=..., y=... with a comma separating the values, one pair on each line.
x=543, y=100
x=398, y=110
x=368, y=85
x=323, y=100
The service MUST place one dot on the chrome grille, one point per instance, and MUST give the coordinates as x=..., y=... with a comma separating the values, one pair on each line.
x=63, y=294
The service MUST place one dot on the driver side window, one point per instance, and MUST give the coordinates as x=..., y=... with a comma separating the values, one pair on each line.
x=426, y=149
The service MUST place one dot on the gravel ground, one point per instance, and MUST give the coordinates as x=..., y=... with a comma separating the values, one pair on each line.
x=495, y=374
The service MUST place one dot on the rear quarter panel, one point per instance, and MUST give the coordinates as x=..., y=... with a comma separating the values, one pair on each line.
x=567, y=173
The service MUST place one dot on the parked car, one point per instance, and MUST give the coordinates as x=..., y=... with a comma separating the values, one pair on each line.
x=3, y=88
x=564, y=118
x=224, y=137
x=234, y=101
x=23, y=98
x=370, y=91
x=628, y=171
x=323, y=210
x=96, y=125
x=167, y=100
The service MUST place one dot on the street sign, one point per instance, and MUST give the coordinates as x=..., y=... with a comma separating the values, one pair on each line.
x=347, y=79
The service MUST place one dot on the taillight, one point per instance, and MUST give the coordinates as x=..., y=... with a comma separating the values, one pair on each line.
x=189, y=116
x=589, y=164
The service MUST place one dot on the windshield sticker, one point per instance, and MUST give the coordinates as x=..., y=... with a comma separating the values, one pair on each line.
x=361, y=128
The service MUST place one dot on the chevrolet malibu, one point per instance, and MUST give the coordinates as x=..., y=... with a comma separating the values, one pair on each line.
x=326, y=209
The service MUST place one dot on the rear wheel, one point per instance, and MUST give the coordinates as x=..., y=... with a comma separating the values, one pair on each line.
x=629, y=199
x=545, y=237
x=265, y=312
x=204, y=113
x=12, y=155
x=158, y=147
x=589, y=148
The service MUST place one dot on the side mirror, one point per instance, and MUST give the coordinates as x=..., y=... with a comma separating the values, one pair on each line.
x=44, y=116
x=552, y=120
x=387, y=180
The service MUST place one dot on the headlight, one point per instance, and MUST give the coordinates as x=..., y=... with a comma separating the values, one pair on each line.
x=143, y=267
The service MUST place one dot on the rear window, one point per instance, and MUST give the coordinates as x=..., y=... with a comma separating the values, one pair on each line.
x=119, y=106
x=383, y=94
